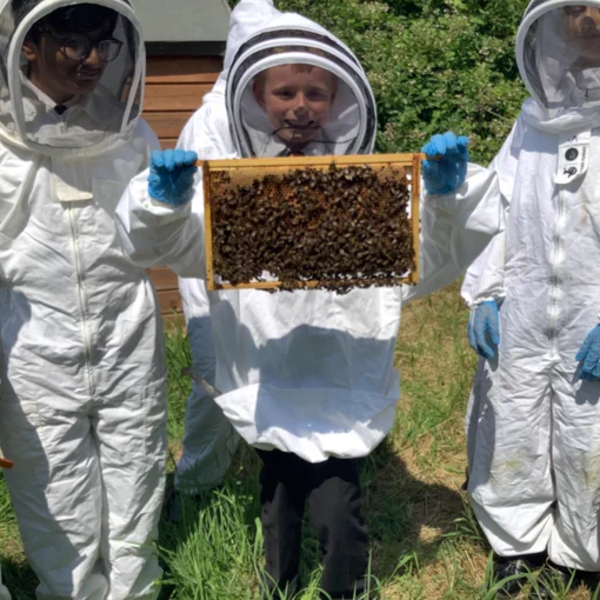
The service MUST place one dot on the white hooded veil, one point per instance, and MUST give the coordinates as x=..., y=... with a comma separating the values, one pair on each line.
x=95, y=122
x=564, y=84
x=291, y=39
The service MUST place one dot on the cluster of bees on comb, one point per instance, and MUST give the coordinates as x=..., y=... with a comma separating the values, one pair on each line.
x=340, y=228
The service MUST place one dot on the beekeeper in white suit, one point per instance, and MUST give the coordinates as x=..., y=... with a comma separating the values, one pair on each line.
x=534, y=424
x=82, y=368
x=307, y=377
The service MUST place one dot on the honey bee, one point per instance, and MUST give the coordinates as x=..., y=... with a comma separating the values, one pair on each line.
x=342, y=227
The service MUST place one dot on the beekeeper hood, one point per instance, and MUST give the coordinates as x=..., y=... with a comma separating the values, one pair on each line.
x=293, y=88
x=558, y=52
x=104, y=94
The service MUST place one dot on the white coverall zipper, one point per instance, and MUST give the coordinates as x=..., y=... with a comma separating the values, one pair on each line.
x=82, y=302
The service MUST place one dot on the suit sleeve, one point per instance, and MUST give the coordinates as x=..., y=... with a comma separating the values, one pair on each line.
x=157, y=234
x=484, y=280
x=455, y=229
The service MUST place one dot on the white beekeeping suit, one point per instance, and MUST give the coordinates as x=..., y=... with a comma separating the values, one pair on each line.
x=209, y=441
x=82, y=366
x=534, y=425
x=308, y=372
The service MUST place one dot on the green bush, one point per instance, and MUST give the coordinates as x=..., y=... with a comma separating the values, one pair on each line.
x=434, y=65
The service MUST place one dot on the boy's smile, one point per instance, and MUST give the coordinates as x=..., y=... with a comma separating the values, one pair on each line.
x=297, y=100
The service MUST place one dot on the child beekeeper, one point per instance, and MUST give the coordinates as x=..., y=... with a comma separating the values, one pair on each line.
x=307, y=377
x=82, y=380
x=534, y=423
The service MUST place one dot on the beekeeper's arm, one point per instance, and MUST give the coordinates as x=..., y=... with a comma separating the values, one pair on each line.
x=458, y=224
x=154, y=218
x=484, y=279
x=483, y=288
x=455, y=229
x=160, y=216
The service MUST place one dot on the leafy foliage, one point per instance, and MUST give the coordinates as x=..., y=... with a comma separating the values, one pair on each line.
x=435, y=65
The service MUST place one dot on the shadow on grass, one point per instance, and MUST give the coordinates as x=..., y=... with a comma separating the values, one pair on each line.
x=20, y=580
x=215, y=549
x=218, y=540
x=405, y=516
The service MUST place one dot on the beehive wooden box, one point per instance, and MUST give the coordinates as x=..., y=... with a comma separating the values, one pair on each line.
x=222, y=175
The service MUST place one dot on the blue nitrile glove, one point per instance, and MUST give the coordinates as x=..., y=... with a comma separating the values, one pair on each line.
x=448, y=171
x=171, y=176
x=589, y=353
x=484, y=329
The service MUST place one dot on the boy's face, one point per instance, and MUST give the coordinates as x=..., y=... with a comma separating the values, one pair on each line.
x=297, y=100
x=583, y=23
x=56, y=72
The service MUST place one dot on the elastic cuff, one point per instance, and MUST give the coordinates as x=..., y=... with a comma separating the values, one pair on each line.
x=170, y=205
x=496, y=298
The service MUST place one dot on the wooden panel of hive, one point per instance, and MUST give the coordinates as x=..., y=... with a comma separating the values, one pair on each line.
x=175, y=86
x=312, y=222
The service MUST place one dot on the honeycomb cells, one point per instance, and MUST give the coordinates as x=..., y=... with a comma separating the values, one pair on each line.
x=342, y=227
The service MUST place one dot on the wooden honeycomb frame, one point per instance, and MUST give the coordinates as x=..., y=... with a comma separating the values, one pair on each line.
x=254, y=168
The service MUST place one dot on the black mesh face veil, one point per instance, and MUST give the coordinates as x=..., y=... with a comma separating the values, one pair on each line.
x=298, y=35
x=297, y=91
x=89, y=59
x=558, y=51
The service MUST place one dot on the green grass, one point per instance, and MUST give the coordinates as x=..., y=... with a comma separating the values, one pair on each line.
x=425, y=541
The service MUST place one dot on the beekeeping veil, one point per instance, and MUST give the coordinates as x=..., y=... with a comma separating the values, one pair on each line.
x=558, y=52
x=93, y=122
x=289, y=39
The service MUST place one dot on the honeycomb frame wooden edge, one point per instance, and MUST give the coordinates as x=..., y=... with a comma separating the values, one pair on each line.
x=404, y=160
x=285, y=163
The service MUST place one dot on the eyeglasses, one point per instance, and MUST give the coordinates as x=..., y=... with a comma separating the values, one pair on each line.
x=79, y=47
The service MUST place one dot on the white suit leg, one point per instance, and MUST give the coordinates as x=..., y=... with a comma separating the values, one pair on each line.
x=208, y=444
x=210, y=440
x=4, y=593
x=510, y=485
x=132, y=442
x=55, y=487
x=576, y=459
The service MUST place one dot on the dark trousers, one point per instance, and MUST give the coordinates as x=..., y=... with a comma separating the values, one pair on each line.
x=332, y=489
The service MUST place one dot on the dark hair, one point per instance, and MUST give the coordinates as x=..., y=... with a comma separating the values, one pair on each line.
x=82, y=18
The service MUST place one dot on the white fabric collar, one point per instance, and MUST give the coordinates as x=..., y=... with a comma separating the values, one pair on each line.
x=44, y=98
